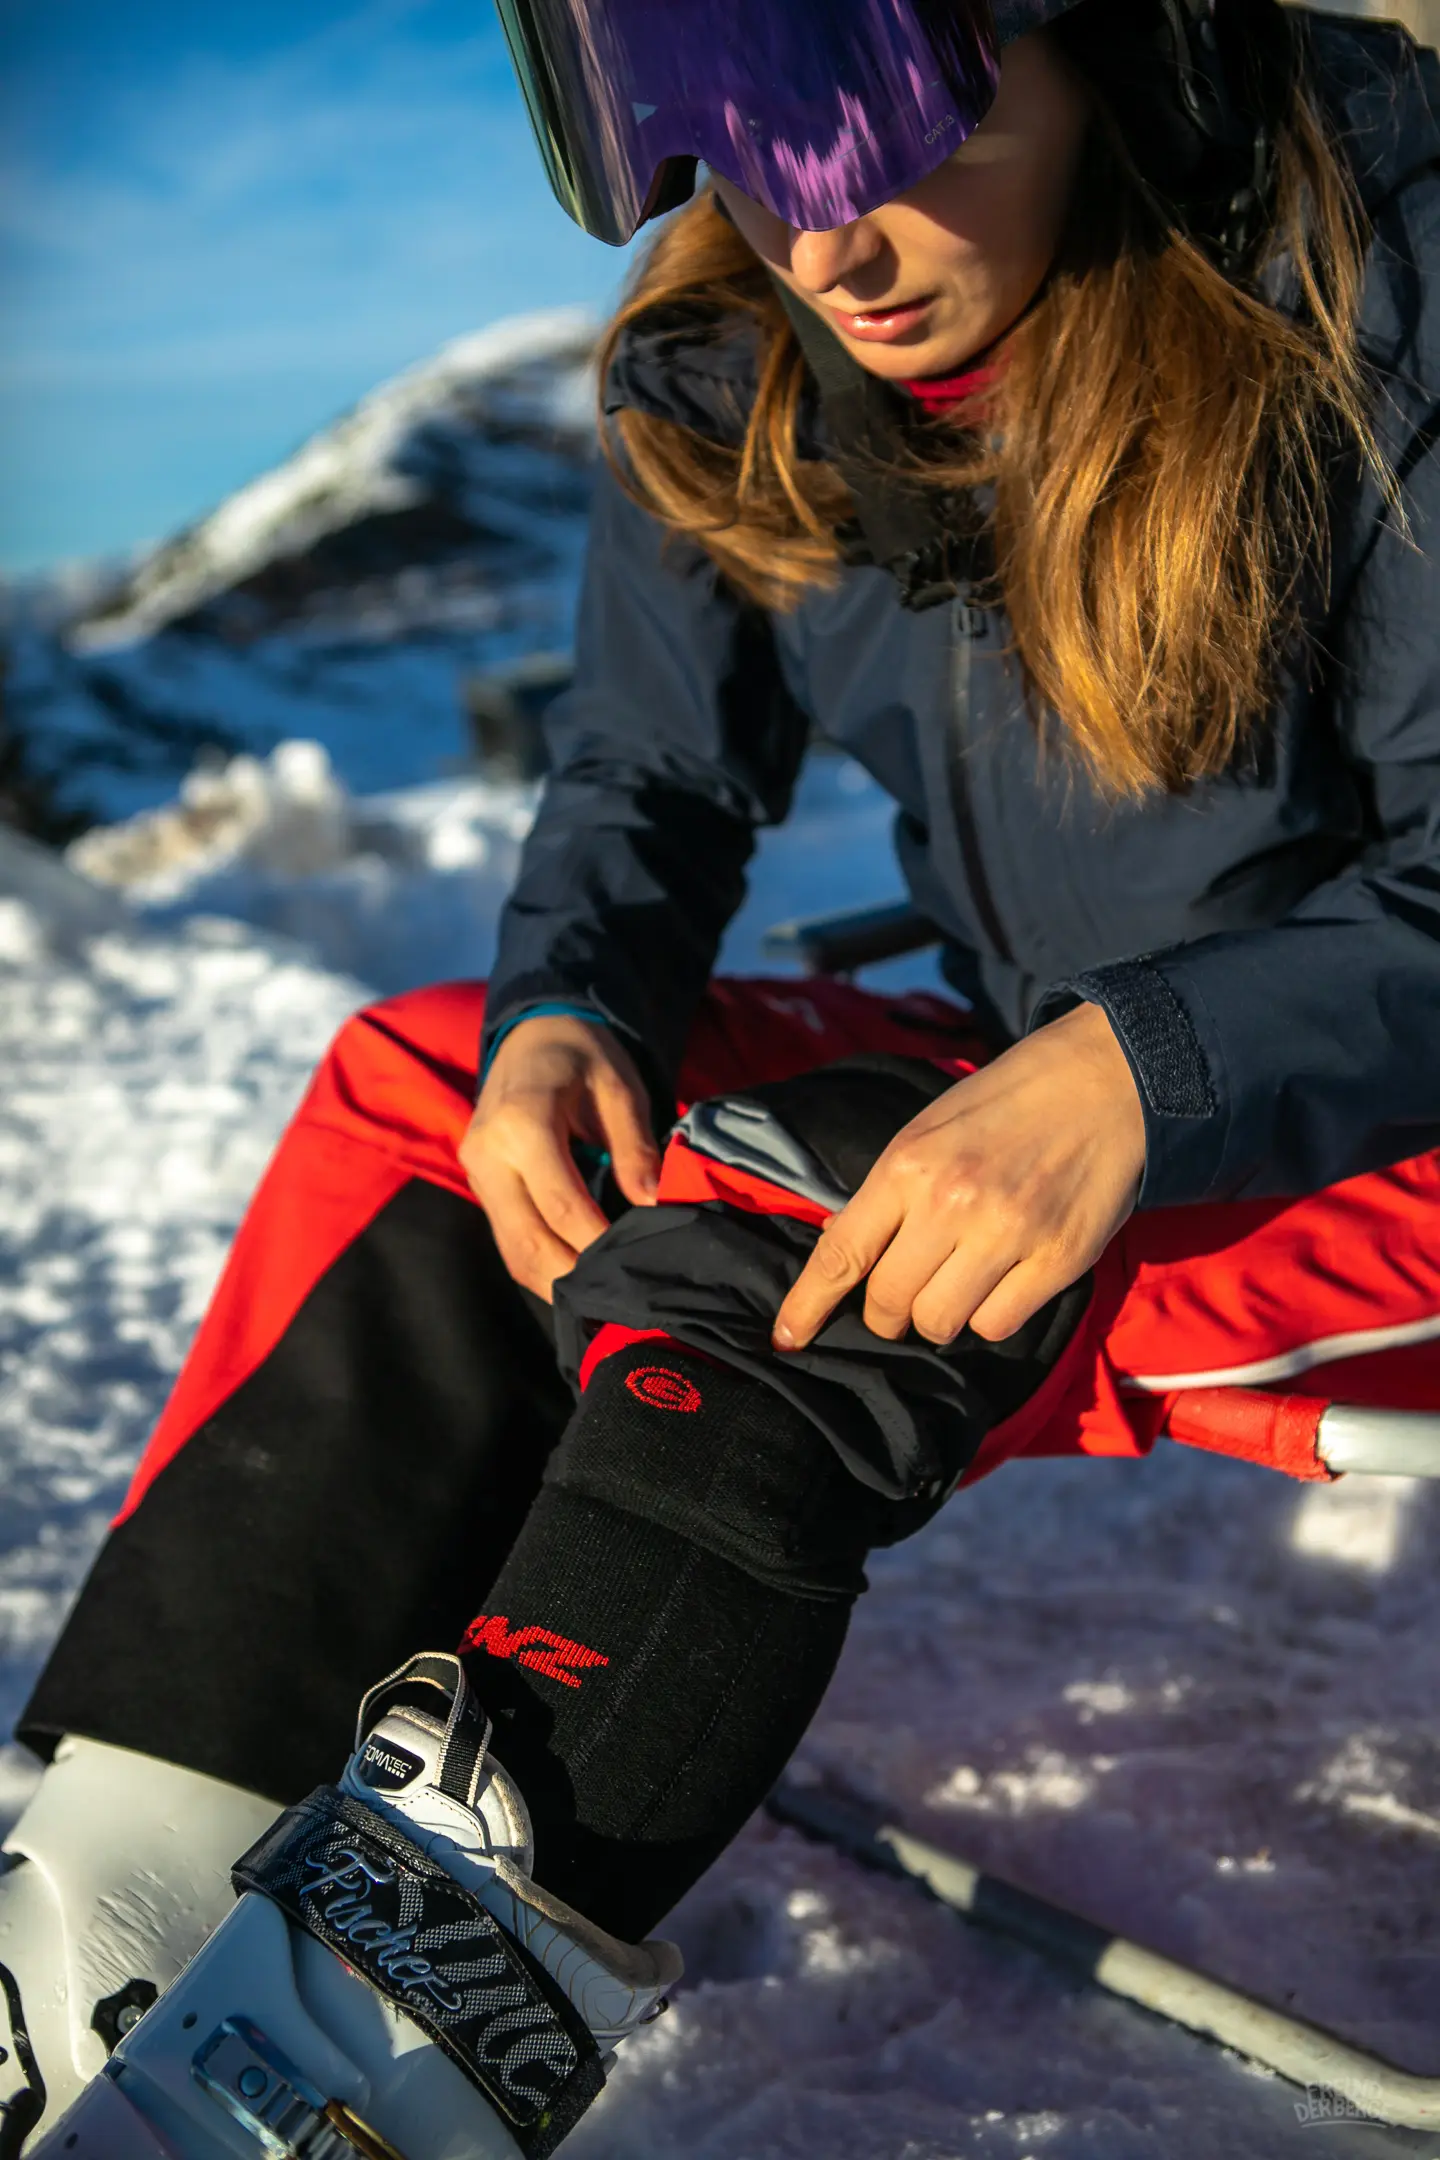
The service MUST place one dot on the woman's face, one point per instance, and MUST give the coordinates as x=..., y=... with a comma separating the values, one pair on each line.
x=921, y=285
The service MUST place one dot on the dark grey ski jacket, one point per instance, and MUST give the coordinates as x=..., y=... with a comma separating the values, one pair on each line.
x=1267, y=945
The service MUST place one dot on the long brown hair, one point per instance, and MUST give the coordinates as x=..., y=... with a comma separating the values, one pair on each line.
x=1156, y=437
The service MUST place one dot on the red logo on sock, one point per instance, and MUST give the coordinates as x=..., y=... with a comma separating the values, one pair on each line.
x=554, y=1655
x=663, y=1388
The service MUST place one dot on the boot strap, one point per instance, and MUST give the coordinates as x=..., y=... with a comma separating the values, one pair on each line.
x=426, y=1943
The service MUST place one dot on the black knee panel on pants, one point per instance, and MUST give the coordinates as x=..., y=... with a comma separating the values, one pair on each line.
x=701, y=1451
x=905, y=1416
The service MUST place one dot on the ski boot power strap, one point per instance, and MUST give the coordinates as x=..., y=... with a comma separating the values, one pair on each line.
x=359, y=1885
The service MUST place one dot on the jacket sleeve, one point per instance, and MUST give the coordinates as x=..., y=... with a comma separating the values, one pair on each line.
x=677, y=739
x=1279, y=1060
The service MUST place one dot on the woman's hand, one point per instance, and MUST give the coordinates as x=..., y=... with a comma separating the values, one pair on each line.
x=991, y=1201
x=555, y=1079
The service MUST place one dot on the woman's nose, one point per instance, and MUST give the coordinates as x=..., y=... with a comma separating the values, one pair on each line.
x=822, y=260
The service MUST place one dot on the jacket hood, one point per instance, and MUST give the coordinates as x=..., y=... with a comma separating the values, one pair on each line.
x=680, y=366
x=1380, y=90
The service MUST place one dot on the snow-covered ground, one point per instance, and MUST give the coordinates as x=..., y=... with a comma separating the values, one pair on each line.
x=1192, y=1700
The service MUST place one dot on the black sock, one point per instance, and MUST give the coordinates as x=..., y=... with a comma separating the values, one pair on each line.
x=666, y=1625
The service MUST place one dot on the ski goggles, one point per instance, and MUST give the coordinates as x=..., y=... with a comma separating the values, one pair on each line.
x=820, y=109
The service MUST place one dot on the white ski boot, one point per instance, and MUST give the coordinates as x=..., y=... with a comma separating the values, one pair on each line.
x=392, y=1982
x=110, y=1882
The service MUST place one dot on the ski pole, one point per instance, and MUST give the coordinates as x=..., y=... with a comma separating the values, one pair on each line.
x=1305, y=2054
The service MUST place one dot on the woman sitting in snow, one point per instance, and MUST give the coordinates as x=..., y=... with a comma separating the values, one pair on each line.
x=1068, y=459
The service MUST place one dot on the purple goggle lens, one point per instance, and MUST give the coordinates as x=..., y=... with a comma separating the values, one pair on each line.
x=820, y=109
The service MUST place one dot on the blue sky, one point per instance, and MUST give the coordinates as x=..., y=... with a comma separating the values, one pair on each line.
x=222, y=223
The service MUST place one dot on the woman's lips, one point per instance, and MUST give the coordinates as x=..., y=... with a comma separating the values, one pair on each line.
x=882, y=326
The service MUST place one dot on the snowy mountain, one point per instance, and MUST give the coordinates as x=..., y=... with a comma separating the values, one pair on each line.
x=429, y=536
x=413, y=510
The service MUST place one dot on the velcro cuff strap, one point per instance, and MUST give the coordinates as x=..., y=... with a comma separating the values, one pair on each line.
x=1156, y=1032
x=426, y=1943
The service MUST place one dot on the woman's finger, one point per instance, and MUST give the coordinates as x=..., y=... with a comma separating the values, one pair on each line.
x=520, y=1143
x=1018, y=1296
x=902, y=1288
x=957, y=1291
x=552, y=1178
x=625, y=1123
x=847, y=1249
x=533, y=1255
x=919, y=1249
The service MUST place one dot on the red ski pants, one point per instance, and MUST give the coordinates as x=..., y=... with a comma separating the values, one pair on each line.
x=1293, y=1303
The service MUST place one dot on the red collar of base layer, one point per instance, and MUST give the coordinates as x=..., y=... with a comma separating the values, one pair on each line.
x=937, y=393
